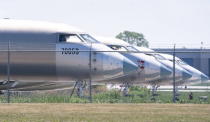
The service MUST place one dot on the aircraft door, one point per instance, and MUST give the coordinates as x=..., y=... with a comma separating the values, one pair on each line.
x=72, y=58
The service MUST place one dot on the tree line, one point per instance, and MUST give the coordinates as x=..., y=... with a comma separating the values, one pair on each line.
x=133, y=38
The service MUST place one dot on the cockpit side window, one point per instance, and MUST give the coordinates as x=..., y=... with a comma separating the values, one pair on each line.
x=149, y=54
x=131, y=48
x=88, y=38
x=62, y=38
x=118, y=48
x=69, y=38
x=159, y=57
x=181, y=62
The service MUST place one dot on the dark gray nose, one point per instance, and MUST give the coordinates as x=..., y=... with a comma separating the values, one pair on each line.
x=164, y=71
x=186, y=75
x=129, y=66
x=204, y=78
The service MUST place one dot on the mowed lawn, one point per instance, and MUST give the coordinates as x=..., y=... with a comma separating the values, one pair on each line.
x=104, y=112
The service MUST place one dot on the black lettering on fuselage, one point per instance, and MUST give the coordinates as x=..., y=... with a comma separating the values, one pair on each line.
x=70, y=51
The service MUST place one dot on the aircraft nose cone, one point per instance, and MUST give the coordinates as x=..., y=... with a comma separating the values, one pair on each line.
x=165, y=71
x=204, y=78
x=186, y=75
x=129, y=66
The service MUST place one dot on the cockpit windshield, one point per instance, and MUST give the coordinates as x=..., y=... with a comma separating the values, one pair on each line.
x=159, y=57
x=149, y=54
x=88, y=38
x=131, y=48
x=69, y=38
x=118, y=48
x=181, y=62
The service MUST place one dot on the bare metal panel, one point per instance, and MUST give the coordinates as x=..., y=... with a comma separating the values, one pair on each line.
x=71, y=64
x=30, y=65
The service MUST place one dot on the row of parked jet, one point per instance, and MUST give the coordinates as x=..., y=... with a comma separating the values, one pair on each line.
x=38, y=55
